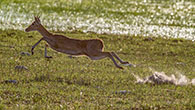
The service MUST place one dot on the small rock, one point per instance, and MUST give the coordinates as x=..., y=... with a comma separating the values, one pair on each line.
x=20, y=67
x=30, y=36
x=25, y=53
x=122, y=92
x=11, y=81
x=180, y=63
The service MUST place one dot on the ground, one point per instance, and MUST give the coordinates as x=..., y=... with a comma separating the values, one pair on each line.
x=65, y=82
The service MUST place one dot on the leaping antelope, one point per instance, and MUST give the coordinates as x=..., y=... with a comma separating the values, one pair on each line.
x=93, y=48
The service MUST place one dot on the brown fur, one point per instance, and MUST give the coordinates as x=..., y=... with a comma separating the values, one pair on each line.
x=93, y=48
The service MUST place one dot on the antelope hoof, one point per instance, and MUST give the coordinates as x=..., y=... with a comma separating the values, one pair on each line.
x=119, y=67
x=48, y=57
x=32, y=52
x=125, y=62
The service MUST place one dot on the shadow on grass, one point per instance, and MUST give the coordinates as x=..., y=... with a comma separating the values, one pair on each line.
x=66, y=79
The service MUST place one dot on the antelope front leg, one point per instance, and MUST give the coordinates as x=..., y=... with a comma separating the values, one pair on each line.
x=35, y=45
x=46, y=52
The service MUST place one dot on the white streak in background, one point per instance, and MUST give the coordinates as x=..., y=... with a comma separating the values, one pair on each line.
x=193, y=81
x=162, y=78
x=15, y=16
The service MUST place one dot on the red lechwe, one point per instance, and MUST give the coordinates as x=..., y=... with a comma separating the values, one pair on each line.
x=93, y=48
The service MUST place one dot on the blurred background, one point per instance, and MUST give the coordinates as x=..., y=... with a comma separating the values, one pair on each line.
x=156, y=18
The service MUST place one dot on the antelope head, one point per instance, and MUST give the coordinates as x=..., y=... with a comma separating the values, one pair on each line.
x=34, y=26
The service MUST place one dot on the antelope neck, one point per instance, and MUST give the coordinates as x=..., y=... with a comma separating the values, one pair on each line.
x=44, y=32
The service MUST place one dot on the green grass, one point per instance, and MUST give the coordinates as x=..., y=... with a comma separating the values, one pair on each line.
x=79, y=83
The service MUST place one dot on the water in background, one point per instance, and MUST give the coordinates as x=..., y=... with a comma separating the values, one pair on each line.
x=158, y=18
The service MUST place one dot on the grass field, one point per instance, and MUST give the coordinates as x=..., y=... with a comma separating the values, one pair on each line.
x=65, y=82
x=78, y=83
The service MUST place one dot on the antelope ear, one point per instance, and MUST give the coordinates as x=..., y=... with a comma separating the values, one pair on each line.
x=37, y=20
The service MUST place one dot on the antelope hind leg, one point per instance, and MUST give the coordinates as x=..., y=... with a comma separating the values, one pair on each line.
x=120, y=60
x=101, y=55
